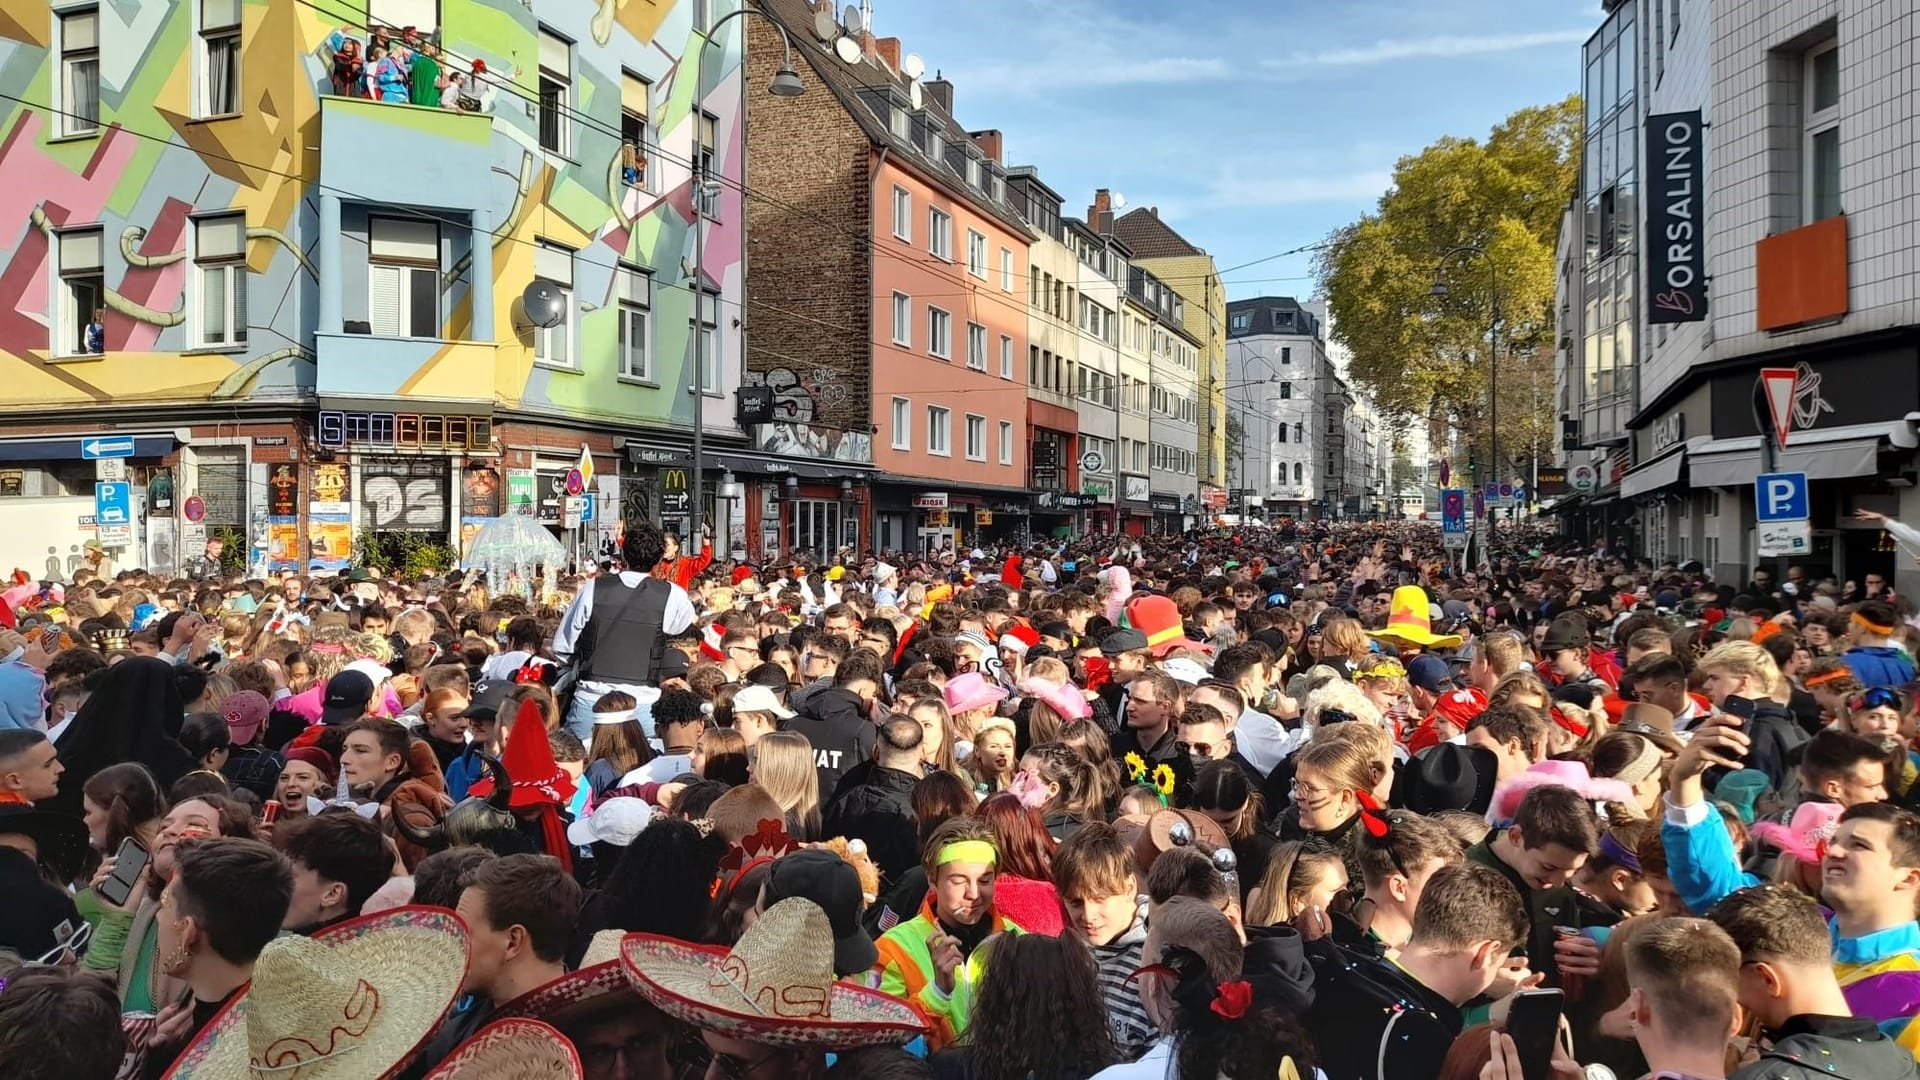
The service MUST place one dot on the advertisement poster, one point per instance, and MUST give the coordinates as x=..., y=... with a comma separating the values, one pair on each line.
x=283, y=491
x=283, y=543
x=520, y=488
x=330, y=517
x=482, y=498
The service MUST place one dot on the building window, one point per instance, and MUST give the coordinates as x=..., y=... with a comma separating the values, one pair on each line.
x=940, y=234
x=219, y=57
x=903, y=319
x=903, y=214
x=939, y=431
x=403, y=277
x=1006, y=442
x=636, y=128
x=636, y=314
x=553, y=345
x=1286, y=391
x=1300, y=432
x=1298, y=473
x=976, y=346
x=83, y=290
x=80, y=71
x=1240, y=322
x=902, y=424
x=939, y=333
x=708, y=166
x=1286, y=354
x=556, y=92
x=220, y=256
x=709, y=330
x=1283, y=433
x=1006, y=270
x=1006, y=357
x=976, y=438
x=1822, y=131
x=976, y=255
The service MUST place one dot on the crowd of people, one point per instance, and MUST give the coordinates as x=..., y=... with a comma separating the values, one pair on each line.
x=1287, y=802
x=401, y=65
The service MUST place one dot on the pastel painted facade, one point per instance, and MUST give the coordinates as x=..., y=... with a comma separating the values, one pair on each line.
x=339, y=279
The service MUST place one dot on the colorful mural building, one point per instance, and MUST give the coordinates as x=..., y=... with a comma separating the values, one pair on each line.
x=270, y=262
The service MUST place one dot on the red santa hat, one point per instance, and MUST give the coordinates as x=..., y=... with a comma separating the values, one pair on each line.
x=1010, y=572
x=710, y=639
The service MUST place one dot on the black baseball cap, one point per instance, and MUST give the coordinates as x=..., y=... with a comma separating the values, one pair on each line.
x=348, y=694
x=487, y=696
x=830, y=882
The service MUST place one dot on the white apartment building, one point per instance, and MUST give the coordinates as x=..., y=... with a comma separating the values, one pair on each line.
x=1785, y=214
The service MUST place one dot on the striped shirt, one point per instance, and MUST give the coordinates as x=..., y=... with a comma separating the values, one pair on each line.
x=1117, y=960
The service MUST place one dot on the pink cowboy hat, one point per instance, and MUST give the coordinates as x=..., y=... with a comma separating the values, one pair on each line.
x=1806, y=838
x=1068, y=701
x=1566, y=774
x=972, y=690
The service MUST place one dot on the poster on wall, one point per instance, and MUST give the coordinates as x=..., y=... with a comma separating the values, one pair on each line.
x=161, y=546
x=283, y=491
x=283, y=543
x=606, y=525
x=520, y=491
x=330, y=517
x=404, y=495
x=482, y=498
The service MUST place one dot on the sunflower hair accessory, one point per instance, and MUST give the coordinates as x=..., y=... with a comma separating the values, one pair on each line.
x=1136, y=766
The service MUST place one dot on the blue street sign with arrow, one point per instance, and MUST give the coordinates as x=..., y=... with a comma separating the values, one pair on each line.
x=106, y=446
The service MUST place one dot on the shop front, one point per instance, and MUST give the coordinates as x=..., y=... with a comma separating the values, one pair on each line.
x=1167, y=516
x=1098, y=517
x=1136, y=505
x=1056, y=512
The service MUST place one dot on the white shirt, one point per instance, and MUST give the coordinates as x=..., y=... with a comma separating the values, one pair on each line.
x=1262, y=740
x=504, y=665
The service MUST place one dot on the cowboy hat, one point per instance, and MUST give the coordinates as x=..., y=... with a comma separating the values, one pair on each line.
x=1551, y=773
x=1410, y=622
x=511, y=1050
x=775, y=988
x=355, y=1001
x=1807, y=836
x=1651, y=722
x=966, y=692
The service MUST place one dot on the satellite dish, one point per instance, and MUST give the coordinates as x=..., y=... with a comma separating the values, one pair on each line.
x=545, y=304
x=917, y=96
x=913, y=67
x=1119, y=201
x=823, y=25
x=848, y=50
x=851, y=20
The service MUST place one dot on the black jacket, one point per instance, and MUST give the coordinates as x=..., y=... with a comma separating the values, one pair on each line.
x=33, y=909
x=835, y=721
x=1373, y=1021
x=880, y=812
x=1833, y=1048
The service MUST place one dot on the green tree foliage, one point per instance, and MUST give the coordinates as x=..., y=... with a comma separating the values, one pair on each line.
x=1423, y=356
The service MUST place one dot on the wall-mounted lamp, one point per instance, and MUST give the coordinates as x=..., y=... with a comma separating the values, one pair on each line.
x=729, y=486
x=793, y=485
x=846, y=488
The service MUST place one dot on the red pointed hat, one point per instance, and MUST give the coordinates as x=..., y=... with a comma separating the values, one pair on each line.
x=537, y=779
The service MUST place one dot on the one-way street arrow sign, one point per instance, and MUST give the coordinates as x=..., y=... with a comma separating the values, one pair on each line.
x=106, y=446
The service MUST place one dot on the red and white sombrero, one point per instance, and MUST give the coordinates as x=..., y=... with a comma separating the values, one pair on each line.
x=775, y=988
x=598, y=975
x=511, y=1050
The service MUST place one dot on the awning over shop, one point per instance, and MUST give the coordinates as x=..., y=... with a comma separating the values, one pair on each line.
x=1654, y=475
x=142, y=445
x=1838, y=454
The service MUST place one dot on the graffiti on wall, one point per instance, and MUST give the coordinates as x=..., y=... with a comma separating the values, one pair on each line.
x=798, y=405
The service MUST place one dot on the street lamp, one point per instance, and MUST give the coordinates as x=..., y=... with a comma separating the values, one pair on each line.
x=1440, y=291
x=786, y=83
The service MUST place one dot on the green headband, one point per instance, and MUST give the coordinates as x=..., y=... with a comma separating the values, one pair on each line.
x=973, y=851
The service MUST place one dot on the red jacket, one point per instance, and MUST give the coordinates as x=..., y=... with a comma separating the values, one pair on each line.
x=682, y=569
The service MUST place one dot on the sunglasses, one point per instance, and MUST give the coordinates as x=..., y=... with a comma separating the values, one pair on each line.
x=1203, y=749
x=734, y=1068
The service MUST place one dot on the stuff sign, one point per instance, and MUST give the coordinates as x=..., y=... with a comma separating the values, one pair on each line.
x=1676, y=258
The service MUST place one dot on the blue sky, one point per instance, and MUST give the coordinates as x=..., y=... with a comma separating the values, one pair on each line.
x=1256, y=126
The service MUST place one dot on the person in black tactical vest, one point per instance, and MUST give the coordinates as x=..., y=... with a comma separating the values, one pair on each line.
x=616, y=630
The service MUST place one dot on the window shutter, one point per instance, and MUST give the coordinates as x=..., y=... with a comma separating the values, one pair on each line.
x=383, y=300
x=634, y=95
x=222, y=237
x=409, y=239
x=554, y=264
x=219, y=14
x=80, y=31
x=556, y=56
x=80, y=251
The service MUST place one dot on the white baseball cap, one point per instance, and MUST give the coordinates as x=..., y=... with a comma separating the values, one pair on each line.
x=758, y=698
x=616, y=821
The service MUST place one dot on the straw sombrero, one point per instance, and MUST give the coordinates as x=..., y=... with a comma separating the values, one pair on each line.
x=775, y=988
x=511, y=1050
x=354, y=1002
x=599, y=974
x=1410, y=622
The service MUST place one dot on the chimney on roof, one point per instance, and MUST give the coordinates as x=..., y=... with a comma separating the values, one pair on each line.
x=989, y=143
x=1155, y=211
x=941, y=91
x=889, y=50
x=1100, y=214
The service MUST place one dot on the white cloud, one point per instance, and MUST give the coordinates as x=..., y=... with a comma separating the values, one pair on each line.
x=1386, y=51
x=1094, y=71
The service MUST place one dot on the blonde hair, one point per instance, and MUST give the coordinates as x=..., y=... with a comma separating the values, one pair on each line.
x=1743, y=658
x=783, y=766
x=1344, y=637
x=1372, y=739
x=1345, y=697
x=1345, y=762
x=1519, y=682
x=1293, y=869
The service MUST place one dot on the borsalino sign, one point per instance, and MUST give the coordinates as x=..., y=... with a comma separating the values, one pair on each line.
x=1675, y=241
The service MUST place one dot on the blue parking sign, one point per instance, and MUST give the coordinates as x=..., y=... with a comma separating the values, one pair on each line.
x=113, y=503
x=1780, y=496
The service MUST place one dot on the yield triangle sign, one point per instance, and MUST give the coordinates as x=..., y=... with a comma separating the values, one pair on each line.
x=1778, y=385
